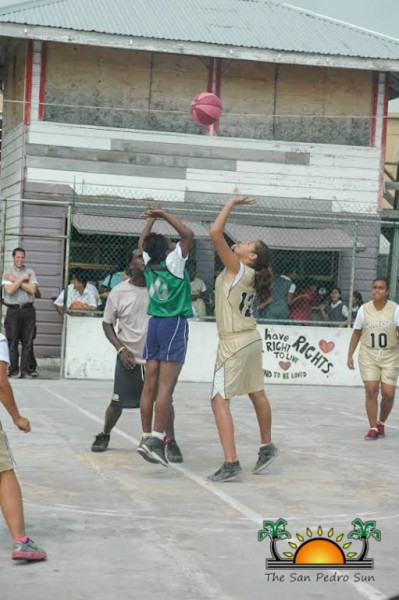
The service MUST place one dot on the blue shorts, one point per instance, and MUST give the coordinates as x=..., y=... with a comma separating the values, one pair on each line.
x=167, y=339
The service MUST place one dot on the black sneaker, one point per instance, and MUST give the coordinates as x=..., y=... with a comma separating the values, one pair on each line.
x=100, y=443
x=227, y=472
x=143, y=452
x=155, y=448
x=173, y=452
x=34, y=374
x=267, y=454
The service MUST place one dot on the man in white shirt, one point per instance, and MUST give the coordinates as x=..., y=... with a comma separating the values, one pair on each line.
x=80, y=296
x=19, y=285
x=126, y=311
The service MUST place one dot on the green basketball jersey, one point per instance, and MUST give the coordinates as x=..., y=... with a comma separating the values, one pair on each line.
x=170, y=296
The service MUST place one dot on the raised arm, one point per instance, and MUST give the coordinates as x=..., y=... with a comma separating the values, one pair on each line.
x=216, y=233
x=147, y=229
x=185, y=233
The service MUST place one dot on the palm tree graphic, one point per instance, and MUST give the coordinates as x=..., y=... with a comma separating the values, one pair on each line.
x=275, y=531
x=362, y=531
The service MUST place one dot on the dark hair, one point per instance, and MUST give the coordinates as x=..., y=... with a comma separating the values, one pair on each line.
x=263, y=272
x=18, y=250
x=79, y=275
x=384, y=279
x=335, y=287
x=358, y=297
x=156, y=245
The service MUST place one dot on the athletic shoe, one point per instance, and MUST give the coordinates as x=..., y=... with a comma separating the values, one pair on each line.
x=143, y=453
x=27, y=551
x=34, y=374
x=267, y=454
x=371, y=436
x=14, y=375
x=173, y=452
x=100, y=443
x=155, y=448
x=227, y=472
x=381, y=430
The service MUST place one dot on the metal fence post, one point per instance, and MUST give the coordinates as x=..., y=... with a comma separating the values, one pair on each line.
x=353, y=269
x=394, y=263
x=3, y=245
x=66, y=283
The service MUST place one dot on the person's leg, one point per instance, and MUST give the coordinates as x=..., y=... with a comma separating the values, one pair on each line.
x=27, y=331
x=225, y=427
x=33, y=361
x=149, y=394
x=387, y=399
x=371, y=389
x=11, y=504
x=267, y=451
x=170, y=425
x=12, y=329
x=168, y=375
x=112, y=416
x=263, y=415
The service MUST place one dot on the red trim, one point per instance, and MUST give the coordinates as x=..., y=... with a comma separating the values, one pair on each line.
x=218, y=86
x=210, y=75
x=374, y=110
x=28, y=82
x=42, y=86
x=383, y=144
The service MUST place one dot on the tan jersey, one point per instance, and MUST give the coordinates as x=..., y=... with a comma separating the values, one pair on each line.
x=379, y=326
x=233, y=302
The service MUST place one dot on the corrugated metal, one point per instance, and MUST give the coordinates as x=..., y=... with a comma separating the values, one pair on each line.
x=261, y=24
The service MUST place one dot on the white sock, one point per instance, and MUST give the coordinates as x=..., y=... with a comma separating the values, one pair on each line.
x=146, y=435
x=380, y=422
x=265, y=445
x=158, y=435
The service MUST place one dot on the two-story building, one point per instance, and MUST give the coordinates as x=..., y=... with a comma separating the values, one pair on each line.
x=96, y=106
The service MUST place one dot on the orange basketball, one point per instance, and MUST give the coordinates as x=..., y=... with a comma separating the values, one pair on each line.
x=77, y=305
x=206, y=108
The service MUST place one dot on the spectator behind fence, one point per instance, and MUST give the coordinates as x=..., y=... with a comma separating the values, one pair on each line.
x=110, y=281
x=335, y=310
x=198, y=289
x=282, y=295
x=305, y=298
x=81, y=295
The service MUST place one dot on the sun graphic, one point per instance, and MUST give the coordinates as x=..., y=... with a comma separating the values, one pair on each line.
x=319, y=550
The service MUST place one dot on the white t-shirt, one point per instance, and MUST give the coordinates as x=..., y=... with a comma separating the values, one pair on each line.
x=126, y=309
x=4, y=352
x=359, y=321
x=175, y=262
x=89, y=296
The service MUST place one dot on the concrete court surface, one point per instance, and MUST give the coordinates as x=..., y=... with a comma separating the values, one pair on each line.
x=117, y=527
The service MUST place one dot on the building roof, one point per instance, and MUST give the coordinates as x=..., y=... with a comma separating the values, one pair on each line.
x=243, y=24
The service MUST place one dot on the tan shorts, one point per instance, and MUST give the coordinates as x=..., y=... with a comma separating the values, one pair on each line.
x=6, y=459
x=238, y=366
x=379, y=365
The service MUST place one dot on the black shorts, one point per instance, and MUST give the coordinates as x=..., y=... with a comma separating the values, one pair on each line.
x=128, y=385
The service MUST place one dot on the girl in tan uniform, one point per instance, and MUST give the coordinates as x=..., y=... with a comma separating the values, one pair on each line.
x=377, y=327
x=238, y=368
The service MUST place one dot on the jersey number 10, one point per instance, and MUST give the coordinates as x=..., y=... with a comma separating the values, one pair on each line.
x=381, y=338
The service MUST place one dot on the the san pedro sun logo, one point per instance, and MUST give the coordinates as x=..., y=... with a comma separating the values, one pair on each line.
x=320, y=550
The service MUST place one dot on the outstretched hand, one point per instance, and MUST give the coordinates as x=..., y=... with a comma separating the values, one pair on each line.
x=155, y=212
x=240, y=201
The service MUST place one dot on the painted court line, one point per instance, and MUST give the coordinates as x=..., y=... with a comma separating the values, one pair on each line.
x=365, y=590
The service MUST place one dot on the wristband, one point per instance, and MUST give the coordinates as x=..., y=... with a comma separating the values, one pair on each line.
x=120, y=349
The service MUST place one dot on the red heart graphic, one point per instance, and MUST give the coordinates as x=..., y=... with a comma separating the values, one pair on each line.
x=284, y=365
x=326, y=346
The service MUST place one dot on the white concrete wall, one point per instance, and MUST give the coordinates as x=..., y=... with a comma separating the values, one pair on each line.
x=292, y=355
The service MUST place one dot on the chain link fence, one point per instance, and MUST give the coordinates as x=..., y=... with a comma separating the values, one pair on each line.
x=323, y=265
x=317, y=260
